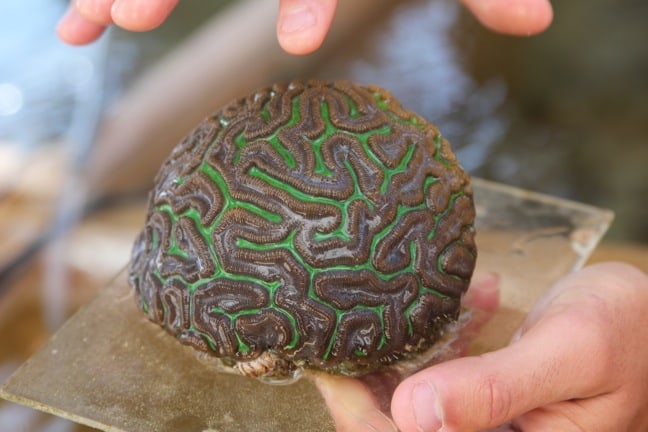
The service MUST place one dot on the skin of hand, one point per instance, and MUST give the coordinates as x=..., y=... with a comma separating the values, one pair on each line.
x=302, y=25
x=578, y=363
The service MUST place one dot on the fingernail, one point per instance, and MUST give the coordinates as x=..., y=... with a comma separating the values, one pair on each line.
x=426, y=407
x=297, y=19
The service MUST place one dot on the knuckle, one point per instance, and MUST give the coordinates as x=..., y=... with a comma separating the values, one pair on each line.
x=498, y=399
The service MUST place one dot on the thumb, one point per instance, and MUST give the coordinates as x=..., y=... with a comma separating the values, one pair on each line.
x=476, y=393
x=522, y=17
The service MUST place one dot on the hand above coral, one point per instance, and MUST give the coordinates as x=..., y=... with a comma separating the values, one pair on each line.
x=302, y=25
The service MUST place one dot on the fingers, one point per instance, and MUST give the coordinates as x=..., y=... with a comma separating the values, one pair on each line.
x=86, y=20
x=352, y=405
x=302, y=25
x=476, y=393
x=74, y=29
x=141, y=15
x=519, y=17
x=483, y=294
x=482, y=302
x=96, y=11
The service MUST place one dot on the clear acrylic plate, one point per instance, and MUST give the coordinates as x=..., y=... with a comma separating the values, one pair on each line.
x=109, y=368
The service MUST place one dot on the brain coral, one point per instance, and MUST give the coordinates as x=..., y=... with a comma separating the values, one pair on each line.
x=313, y=224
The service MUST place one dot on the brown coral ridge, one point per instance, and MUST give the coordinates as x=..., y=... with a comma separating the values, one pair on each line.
x=316, y=224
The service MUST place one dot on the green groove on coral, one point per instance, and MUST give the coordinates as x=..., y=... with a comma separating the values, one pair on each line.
x=439, y=216
x=353, y=108
x=438, y=144
x=273, y=139
x=276, y=143
x=384, y=105
x=316, y=144
x=400, y=168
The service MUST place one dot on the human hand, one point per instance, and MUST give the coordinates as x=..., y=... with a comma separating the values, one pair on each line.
x=302, y=25
x=580, y=363
x=86, y=20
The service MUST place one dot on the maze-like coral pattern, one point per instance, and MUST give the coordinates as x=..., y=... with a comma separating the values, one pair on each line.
x=320, y=221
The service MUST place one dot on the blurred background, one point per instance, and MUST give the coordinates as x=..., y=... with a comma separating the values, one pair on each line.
x=84, y=129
